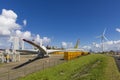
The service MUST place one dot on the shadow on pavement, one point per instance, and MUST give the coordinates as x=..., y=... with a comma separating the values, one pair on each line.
x=29, y=61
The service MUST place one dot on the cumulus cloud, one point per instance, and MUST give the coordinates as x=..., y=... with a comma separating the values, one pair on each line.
x=9, y=14
x=20, y=35
x=112, y=45
x=9, y=29
x=118, y=29
x=25, y=35
x=86, y=48
x=8, y=22
x=37, y=38
x=64, y=44
x=42, y=41
x=24, y=22
x=70, y=45
x=67, y=44
x=108, y=46
x=46, y=40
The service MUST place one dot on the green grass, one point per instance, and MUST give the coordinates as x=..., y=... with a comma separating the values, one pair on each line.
x=90, y=67
x=111, y=71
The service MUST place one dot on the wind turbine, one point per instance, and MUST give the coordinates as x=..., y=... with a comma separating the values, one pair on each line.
x=102, y=39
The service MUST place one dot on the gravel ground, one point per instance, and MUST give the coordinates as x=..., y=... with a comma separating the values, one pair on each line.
x=8, y=73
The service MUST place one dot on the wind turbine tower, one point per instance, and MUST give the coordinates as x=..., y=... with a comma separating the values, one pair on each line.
x=103, y=38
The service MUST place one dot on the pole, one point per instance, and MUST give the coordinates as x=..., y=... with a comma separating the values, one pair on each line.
x=102, y=44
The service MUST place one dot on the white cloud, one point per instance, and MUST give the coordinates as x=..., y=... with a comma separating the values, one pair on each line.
x=70, y=45
x=37, y=39
x=9, y=14
x=24, y=22
x=25, y=35
x=109, y=45
x=64, y=44
x=86, y=48
x=46, y=40
x=117, y=29
x=67, y=44
x=116, y=42
x=8, y=22
x=42, y=41
x=8, y=27
x=19, y=33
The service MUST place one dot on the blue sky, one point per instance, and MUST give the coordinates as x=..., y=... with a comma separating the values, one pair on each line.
x=68, y=20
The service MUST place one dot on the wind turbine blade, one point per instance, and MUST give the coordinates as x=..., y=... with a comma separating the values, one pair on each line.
x=99, y=36
x=105, y=38
x=104, y=31
x=36, y=45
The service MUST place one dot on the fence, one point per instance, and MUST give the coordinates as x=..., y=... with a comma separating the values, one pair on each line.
x=13, y=74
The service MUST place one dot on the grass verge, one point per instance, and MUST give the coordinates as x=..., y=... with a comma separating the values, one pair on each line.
x=90, y=67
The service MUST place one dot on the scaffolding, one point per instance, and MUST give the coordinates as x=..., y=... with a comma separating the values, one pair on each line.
x=9, y=56
x=2, y=57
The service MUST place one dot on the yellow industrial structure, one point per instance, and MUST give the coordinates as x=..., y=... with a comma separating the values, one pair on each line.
x=58, y=52
x=68, y=55
x=72, y=55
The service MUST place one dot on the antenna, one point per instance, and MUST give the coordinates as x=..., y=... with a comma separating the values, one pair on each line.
x=102, y=39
